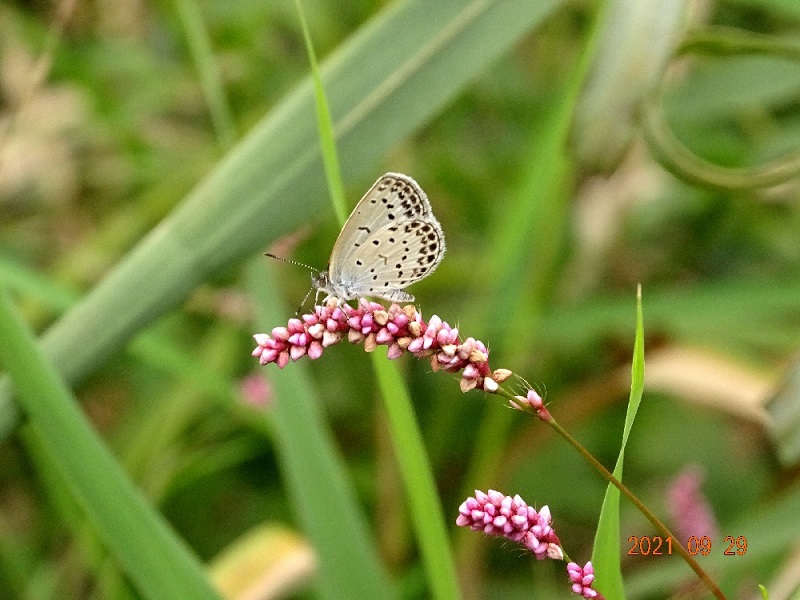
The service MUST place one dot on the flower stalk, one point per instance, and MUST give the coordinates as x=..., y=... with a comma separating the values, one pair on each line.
x=533, y=404
x=403, y=330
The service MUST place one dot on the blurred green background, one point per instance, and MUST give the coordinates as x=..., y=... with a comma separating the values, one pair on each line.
x=150, y=152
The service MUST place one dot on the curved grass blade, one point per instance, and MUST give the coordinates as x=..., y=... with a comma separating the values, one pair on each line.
x=157, y=562
x=415, y=467
x=606, y=554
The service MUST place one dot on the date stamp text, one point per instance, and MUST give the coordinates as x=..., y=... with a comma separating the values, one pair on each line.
x=655, y=545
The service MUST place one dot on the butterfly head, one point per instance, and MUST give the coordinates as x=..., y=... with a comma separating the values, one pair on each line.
x=320, y=280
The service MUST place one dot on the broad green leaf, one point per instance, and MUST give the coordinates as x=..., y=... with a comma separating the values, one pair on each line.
x=141, y=542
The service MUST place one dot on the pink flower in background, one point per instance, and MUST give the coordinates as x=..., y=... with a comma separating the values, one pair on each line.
x=691, y=512
x=256, y=390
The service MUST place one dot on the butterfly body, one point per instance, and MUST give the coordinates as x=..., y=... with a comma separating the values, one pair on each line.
x=391, y=240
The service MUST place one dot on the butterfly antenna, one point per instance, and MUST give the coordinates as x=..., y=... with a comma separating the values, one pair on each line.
x=291, y=262
x=299, y=264
x=303, y=303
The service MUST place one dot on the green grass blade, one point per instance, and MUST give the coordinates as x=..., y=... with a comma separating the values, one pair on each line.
x=606, y=554
x=210, y=77
x=330, y=159
x=424, y=504
x=312, y=467
x=420, y=485
x=141, y=542
x=156, y=348
x=326, y=505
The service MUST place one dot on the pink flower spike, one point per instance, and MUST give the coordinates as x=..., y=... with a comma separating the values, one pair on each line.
x=535, y=545
x=519, y=403
x=354, y=336
x=445, y=336
x=448, y=351
x=401, y=329
x=582, y=579
x=509, y=516
x=298, y=339
x=520, y=521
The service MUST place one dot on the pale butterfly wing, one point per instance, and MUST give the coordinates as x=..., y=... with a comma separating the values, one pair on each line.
x=390, y=241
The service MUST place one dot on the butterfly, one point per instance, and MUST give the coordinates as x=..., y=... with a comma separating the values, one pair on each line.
x=390, y=241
